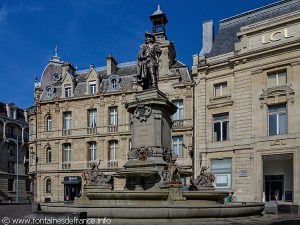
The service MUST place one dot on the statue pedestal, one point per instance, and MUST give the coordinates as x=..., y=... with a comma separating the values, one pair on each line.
x=151, y=138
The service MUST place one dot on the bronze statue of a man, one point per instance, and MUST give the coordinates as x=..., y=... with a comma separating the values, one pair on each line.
x=147, y=63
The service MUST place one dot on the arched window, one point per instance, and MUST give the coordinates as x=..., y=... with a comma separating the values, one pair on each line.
x=49, y=123
x=48, y=185
x=48, y=155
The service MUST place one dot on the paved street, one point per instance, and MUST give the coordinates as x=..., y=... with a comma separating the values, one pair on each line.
x=24, y=211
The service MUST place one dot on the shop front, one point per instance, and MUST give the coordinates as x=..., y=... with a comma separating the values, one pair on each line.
x=72, y=187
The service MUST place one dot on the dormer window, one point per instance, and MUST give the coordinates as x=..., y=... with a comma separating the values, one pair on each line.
x=49, y=92
x=13, y=113
x=68, y=91
x=92, y=87
x=114, y=83
x=277, y=78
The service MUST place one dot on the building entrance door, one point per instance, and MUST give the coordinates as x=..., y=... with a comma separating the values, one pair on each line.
x=278, y=176
x=274, y=187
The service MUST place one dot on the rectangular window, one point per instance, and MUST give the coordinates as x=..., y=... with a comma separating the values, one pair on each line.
x=10, y=167
x=92, y=151
x=113, y=116
x=92, y=87
x=220, y=89
x=10, y=184
x=277, y=78
x=221, y=169
x=113, y=151
x=67, y=120
x=92, y=117
x=178, y=116
x=67, y=91
x=177, y=146
x=67, y=152
x=277, y=120
x=221, y=127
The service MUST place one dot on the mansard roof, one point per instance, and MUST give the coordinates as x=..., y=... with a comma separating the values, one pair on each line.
x=124, y=72
x=228, y=28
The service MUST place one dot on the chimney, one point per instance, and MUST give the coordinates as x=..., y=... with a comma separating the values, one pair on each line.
x=207, y=37
x=68, y=67
x=111, y=64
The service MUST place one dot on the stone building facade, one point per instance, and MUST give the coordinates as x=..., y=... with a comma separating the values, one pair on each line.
x=13, y=132
x=247, y=103
x=80, y=118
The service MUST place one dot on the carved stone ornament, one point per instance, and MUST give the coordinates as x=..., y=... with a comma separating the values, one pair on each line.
x=204, y=181
x=142, y=153
x=278, y=94
x=142, y=112
x=94, y=177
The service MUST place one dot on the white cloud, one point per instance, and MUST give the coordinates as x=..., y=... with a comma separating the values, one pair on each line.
x=6, y=11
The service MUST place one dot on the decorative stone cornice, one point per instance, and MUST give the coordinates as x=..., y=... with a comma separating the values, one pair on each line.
x=278, y=94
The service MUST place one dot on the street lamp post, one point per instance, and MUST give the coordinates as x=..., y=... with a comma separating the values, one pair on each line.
x=16, y=141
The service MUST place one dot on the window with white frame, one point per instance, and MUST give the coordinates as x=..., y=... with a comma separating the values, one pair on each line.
x=277, y=78
x=220, y=127
x=68, y=91
x=67, y=120
x=177, y=145
x=114, y=83
x=220, y=89
x=49, y=123
x=113, y=116
x=92, y=115
x=92, y=151
x=67, y=152
x=48, y=155
x=49, y=92
x=277, y=120
x=178, y=116
x=92, y=87
x=113, y=150
x=221, y=169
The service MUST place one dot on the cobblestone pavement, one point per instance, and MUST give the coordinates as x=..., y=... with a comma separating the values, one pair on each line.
x=25, y=211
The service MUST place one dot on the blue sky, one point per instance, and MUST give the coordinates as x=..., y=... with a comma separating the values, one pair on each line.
x=87, y=31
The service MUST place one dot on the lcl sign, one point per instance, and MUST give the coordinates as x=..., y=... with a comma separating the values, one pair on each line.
x=276, y=36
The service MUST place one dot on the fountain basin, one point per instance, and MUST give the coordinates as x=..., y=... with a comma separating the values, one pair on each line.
x=142, y=211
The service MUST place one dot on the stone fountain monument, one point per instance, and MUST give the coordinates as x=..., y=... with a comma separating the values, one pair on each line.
x=153, y=189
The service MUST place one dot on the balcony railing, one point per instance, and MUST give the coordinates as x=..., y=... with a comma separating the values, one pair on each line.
x=112, y=164
x=113, y=128
x=177, y=123
x=91, y=163
x=91, y=130
x=66, y=166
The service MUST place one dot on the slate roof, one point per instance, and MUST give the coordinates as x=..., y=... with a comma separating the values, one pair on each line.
x=228, y=28
x=125, y=72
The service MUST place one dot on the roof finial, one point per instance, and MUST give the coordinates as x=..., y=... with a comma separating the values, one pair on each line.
x=56, y=58
x=158, y=7
x=56, y=49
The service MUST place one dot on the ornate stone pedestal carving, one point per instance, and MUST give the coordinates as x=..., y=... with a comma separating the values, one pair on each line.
x=151, y=139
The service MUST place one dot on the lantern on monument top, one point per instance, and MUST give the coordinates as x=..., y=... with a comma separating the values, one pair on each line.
x=159, y=21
